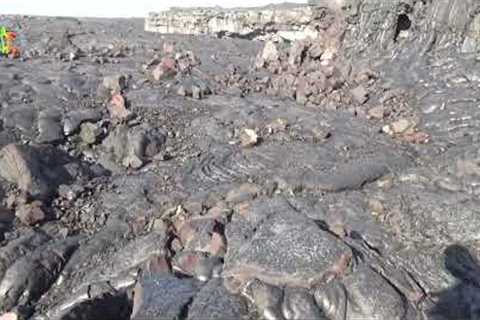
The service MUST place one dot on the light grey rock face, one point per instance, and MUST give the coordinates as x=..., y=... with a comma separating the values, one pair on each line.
x=290, y=21
x=162, y=297
x=383, y=22
x=23, y=282
x=34, y=169
x=130, y=147
x=74, y=119
x=215, y=302
x=359, y=296
x=286, y=249
x=418, y=25
x=299, y=304
x=268, y=299
x=49, y=126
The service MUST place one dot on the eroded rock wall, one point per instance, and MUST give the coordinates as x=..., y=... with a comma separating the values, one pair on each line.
x=289, y=20
x=372, y=25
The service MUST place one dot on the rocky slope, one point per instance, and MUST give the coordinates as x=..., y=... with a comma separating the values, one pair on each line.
x=149, y=176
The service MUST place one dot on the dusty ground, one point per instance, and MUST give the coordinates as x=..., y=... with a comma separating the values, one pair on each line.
x=176, y=177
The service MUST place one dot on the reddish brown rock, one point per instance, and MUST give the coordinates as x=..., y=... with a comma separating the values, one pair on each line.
x=117, y=108
x=157, y=265
x=187, y=262
x=203, y=234
x=31, y=214
x=165, y=69
x=417, y=137
x=218, y=245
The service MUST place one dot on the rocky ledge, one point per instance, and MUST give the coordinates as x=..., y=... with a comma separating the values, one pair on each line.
x=291, y=21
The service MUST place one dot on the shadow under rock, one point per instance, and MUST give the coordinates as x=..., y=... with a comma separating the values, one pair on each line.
x=461, y=302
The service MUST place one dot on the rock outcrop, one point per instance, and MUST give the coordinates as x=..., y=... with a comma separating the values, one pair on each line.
x=379, y=23
x=290, y=21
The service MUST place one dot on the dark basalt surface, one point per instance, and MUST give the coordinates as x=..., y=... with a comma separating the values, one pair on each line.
x=147, y=176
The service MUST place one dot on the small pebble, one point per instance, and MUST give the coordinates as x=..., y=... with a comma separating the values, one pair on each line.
x=248, y=138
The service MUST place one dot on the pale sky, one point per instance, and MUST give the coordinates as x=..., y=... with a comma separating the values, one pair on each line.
x=114, y=8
